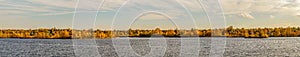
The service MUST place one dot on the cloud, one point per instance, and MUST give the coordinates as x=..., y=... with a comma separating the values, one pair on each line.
x=193, y=5
x=57, y=13
x=247, y=15
x=279, y=7
x=170, y=7
x=272, y=17
x=56, y=3
x=24, y=8
x=83, y=5
x=68, y=12
x=230, y=7
x=11, y=12
x=58, y=6
x=298, y=14
x=152, y=17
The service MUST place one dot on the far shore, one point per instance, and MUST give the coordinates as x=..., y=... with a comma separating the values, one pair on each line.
x=230, y=32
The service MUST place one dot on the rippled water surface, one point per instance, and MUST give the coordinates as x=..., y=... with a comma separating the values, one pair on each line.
x=235, y=47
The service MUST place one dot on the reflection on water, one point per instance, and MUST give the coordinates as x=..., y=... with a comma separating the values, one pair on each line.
x=234, y=47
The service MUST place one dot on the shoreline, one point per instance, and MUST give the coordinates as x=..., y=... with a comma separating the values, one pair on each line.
x=160, y=38
x=154, y=38
x=230, y=32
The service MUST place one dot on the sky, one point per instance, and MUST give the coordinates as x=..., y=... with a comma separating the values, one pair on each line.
x=145, y=14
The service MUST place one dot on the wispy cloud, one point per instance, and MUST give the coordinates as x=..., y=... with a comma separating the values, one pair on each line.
x=231, y=7
x=272, y=17
x=2, y=12
x=57, y=13
x=51, y=6
x=247, y=15
x=282, y=7
x=298, y=14
x=24, y=8
x=152, y=17
x=55, y=3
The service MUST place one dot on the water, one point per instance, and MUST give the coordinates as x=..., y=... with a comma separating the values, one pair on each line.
x=235, y=47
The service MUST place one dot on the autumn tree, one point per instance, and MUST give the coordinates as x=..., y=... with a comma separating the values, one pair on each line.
x=277, y=32
x=200, y=33
x=170, y=33
x=246, y=33
x=1, y=33
x=158, y=31
x=66, y=34
x=177, y=32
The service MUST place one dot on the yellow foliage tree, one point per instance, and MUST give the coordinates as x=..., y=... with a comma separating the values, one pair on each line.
x=170, y=33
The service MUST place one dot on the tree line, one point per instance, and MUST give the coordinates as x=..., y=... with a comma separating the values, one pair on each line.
x=230, y=32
